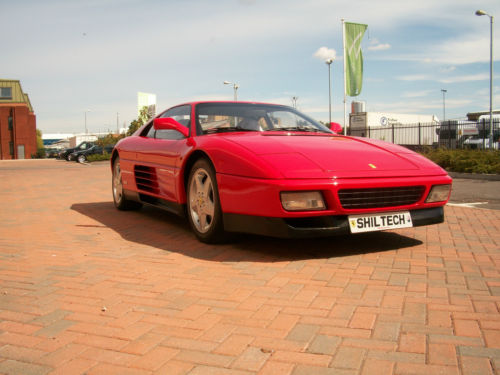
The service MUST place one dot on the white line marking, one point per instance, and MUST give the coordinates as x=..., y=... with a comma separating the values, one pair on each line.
x=469, y=205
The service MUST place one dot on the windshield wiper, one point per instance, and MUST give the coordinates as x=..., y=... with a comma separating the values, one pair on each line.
x=229, y=129
x=309, y=129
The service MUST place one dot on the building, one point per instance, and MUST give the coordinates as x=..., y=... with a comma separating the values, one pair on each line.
x=17, y=122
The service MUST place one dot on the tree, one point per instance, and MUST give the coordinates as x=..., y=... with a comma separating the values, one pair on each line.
x=40, y=149
x=144, y=116
x=110, y=139
x=39, y=140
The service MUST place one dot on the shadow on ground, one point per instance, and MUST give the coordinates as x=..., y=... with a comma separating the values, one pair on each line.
x=154, y=227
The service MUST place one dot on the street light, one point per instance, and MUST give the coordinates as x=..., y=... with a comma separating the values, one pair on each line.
x=87, y=110
x=329, y=63
x=483, y=13
x=235, y=87
x=444, y=106
x=294, y=101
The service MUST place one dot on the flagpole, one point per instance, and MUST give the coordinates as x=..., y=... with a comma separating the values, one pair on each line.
x=345, y=101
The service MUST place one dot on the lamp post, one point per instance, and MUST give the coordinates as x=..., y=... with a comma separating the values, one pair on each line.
x=235, y=88
x=294, y=101
x=87, y=110
x=483, y=13
x=444, y=105
x=329, y=63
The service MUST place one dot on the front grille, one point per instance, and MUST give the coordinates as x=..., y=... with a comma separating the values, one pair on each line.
x=380, y=197
x=145, y=179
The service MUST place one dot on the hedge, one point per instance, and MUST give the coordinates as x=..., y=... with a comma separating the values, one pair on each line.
x=465, y=161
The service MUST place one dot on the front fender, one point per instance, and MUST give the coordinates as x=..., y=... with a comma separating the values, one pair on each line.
x=232, y=159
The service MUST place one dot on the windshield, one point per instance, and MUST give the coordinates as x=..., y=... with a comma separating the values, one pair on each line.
x=230, y=117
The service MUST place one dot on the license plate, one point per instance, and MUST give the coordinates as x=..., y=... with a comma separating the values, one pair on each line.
x=374, y=222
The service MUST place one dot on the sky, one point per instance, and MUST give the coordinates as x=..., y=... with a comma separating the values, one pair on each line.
x=83, y=61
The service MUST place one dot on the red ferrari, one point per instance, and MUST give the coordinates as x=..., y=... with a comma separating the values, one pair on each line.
x=268, y=169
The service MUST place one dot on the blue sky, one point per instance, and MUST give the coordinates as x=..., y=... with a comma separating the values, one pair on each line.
x=73, y=56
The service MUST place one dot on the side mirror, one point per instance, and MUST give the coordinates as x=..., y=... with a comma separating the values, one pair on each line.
x=168, y=123
x=335, y=127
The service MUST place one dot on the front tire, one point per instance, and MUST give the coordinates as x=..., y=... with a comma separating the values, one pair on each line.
x=203, y=205
x=119, y=199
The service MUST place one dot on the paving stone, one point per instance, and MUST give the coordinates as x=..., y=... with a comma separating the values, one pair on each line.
x=92, y=290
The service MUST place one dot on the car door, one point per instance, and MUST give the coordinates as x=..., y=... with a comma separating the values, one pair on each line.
x=158, y=154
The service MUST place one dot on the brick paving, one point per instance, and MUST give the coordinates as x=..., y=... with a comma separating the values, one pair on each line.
x=85, y=289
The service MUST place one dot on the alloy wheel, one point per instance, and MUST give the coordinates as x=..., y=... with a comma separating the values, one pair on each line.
x=201, y=200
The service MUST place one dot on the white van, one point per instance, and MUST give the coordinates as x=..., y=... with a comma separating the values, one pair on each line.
x=482, y=139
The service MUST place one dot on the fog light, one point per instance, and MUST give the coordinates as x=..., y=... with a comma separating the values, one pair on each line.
x=438, y=193
x=302, y=201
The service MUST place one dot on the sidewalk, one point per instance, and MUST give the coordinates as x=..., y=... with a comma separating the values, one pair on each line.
x=85, y=289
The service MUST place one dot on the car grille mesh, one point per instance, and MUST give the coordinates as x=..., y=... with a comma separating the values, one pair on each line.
x=146, y=179
x=380, y=197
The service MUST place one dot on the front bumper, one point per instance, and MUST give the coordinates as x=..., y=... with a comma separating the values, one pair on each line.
x=308, y=227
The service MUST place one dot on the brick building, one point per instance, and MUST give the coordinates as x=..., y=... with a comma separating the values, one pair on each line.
x=17, y=122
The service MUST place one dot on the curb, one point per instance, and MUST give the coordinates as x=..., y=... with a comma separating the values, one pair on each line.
x=475, y=176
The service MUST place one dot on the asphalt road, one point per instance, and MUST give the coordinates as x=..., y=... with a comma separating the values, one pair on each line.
x=476, y=193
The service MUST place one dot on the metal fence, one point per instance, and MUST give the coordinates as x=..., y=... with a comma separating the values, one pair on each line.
x=451, y=134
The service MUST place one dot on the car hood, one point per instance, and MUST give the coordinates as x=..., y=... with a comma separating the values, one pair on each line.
x=318, y=156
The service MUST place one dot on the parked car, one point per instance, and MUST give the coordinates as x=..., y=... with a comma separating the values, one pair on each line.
x=81, y=156
x=268, y=169
x=66, y=154
x=51, y=153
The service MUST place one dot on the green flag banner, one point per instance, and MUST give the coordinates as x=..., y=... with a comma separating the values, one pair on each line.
x=354, y=57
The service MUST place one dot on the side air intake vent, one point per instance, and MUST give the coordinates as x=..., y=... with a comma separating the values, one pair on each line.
x=146, y=179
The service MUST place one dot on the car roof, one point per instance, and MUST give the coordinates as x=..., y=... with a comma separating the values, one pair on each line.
x=196, y=102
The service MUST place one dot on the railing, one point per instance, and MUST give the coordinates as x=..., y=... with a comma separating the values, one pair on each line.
x=450, y=134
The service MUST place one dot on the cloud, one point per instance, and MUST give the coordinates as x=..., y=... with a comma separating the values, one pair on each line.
x=416, y=94
x=420, y=106
x=379, y=47
x=375, y=45
x=469, y=49
x=465, y=78
x=325, y=53
x=415, y=77
x=447, y=69
x=455, y=79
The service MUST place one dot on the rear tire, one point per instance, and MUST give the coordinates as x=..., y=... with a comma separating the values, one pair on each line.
x=119, y=199
x=203, y=205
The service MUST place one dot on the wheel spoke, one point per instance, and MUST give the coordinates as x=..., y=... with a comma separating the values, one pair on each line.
x=203, y=222
x=209, y=207
x=207, y=188
x=199, y=182
x=194, y=206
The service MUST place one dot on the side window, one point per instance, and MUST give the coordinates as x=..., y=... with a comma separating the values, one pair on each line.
x=181, y=114
x=150, y=131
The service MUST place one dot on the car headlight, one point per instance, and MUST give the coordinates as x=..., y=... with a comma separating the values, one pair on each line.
x=302, y=201
x=438, y=193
